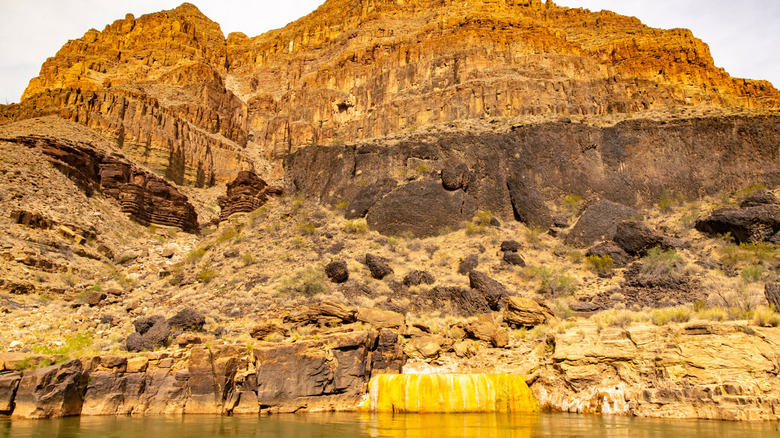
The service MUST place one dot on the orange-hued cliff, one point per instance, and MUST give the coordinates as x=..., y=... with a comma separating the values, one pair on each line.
x=197, y=107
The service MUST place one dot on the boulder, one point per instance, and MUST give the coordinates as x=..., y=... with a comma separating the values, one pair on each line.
x=156, y=336
x=8, y=384
x=510, y=245
x=427, y=347
x=143, y=324
x=772, y=294
x=527, y=312
x=485, y=328
x=636, y=238
x=337, y=271
x=379, y=318
x=367, y=197
x=416, y=278
x=759, y=197
x=457, y=301
x=513, y=258
x=378, y=267
x=620, y=258
x=422, y=209
x=754, y=224
x=245, y=194
x=493, y=291
x=599, y=222
x=528, y=203
x=469, y=263
x=337, y=310
x=52, y=392
x=95, y=297
x=187, y=319
x=271, y=326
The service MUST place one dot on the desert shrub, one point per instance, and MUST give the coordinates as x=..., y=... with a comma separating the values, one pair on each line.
x=341, y=206
x=671, y=314
x=307, y=282
x=660, y=265
x=205, y=275
x=355, y=226
x=422, y=168
x=766, y=317
x=226, y=235
x=665, y=202
x=195, y=255
x=306, y=227
x=733, y=294
x=247, y=259
x=741, y=193
x=572, y=204
x=712, y=314
x=393, y=242
x=553, y=283
x=601, y=265
x=746, y=254
x=533, y=236
x=752, y=273
x=481, y=223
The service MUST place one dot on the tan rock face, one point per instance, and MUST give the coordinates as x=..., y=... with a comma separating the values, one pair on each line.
x=182, y=99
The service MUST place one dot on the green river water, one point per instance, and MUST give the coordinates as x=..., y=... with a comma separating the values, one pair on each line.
x=382, y=425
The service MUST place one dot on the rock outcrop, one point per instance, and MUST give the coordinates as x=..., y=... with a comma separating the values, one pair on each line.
x=148, y=198
x=245, y=194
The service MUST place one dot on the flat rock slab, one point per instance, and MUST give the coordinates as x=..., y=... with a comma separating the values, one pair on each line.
x=422, y=208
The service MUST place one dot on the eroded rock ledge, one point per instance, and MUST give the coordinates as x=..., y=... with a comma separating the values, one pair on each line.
x=148, y=198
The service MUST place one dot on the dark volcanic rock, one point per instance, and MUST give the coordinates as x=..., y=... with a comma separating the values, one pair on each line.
x=527, y=202
x=599, y=222
x=759, y=197
x=422, y=208
x=245, y=194
x=187, y=319
x=772, y=294
x=416, y=278
x=455, y=177
x=143, y=324
x=337, y=271
x=378, y=267
x=636, y=238
x=457, y=301
x=493, y=291
x=367, y=197
x=510, y=245
x=468, y=264
x=746, y=225
x=513, y=258
x=620, y=258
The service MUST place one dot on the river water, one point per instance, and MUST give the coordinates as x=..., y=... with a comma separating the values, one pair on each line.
x=348, y=425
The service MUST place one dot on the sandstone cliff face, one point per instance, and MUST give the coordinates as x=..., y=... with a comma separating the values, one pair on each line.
x=184, y=100
x=362, y=69
x=155, y=86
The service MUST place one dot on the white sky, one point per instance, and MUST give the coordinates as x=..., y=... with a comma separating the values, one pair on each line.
x=743, y=35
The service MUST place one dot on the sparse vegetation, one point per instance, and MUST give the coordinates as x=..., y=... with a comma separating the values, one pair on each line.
x=356, y=226
x=671, y=314
x=600, y=265
x=306, y=282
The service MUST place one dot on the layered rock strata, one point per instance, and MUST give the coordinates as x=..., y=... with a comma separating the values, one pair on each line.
x=246, y=193
x=148, y=198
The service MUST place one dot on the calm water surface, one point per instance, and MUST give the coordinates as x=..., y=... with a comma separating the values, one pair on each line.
x=384, y=425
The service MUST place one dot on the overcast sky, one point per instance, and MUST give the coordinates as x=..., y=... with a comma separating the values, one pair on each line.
x=743, y=35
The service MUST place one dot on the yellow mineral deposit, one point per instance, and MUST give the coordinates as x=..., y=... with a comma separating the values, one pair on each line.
x=446, y=393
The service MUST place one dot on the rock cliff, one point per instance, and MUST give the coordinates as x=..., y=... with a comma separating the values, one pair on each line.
x=185, y=101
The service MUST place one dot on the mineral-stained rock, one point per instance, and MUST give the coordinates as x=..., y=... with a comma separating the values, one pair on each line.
x=416, y=278
x=245, y=194
x=746, y=225
x=378, y=267
x=187, y=319
x=493, y=291
x=599, y=222
x=337, y=271
x=379, y=318
x=211, y=377
x=527, y=312
x=422, y=208
x=51, y=392
x=146, y=197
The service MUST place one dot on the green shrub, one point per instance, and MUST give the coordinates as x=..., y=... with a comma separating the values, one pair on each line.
x=247, y=259
x=306, y=227
x=422, y=168
x=766, y=317
x=226, y=235
x=601, y=265
x=665, y=202
x=553, y=283
x=77, y=345
x=572, y=204
x=195, y=255
x=671, y=314
x=205, y=275
x=356, y=226
x=752, y=274
x=307, y=282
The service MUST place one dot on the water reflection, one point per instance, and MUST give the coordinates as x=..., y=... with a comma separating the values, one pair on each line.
x=348, y=425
